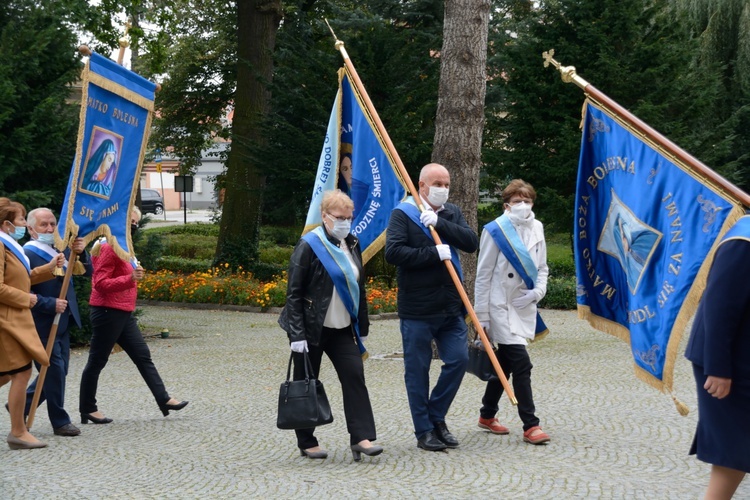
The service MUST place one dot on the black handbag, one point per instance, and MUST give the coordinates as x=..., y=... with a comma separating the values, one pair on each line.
x=303, y=403
x=479, y=362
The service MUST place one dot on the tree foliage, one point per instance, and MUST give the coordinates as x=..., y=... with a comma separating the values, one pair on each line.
x=722, y=28
x=38, y=63
x=639, y=52
x=391, y=44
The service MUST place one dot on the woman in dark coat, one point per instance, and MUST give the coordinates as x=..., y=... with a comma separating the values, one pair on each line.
x=719, y=348
x=326, y=312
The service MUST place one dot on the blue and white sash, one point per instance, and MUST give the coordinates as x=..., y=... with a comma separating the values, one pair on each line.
x=45, y=252
x=16, y=250
x=507, y=240
x=339, y=268
x=740, y=230
x=409, y=207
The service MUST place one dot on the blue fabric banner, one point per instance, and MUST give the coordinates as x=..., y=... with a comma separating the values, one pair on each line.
x=644, y=227
x=355, y=160
x=115, y=122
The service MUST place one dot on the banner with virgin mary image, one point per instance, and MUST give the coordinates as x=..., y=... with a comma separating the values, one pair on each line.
x=646, y=226
x=116, y=111
x=355, y=160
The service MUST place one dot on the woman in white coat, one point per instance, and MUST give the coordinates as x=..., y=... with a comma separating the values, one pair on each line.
x=511, y=279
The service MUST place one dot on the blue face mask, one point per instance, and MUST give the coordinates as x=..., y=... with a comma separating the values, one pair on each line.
x=46, y=238
x=19, y=232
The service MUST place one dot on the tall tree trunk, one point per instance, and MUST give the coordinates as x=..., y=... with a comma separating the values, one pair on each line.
x=460, y=111
x=258, y=22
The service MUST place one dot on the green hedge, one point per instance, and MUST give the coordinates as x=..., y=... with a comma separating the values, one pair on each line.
x=182, y=265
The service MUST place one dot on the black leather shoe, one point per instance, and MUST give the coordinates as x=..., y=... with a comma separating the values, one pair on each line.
x=428, y=441
x=67, y=430
x=85, y=417
x=313, y=454
x=177, y=407
x=444, y=435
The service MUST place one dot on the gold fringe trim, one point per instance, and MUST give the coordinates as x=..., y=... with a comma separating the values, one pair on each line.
x=540, y=336
x=121, y=91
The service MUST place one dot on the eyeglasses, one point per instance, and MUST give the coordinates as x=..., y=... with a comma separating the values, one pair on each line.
x=340, y=219
x=516, y=202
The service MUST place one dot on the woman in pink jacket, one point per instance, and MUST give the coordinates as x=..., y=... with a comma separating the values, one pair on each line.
x=113, y=294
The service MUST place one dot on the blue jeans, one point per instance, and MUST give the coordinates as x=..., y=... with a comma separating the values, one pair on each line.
x=450, y=336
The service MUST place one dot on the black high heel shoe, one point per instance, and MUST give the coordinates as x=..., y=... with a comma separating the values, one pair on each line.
x=313, y=454
x=166, y=407
x=85, y=417
x=372, y=451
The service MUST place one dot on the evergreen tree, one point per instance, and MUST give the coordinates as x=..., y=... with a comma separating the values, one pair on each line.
x=38, y=127
x=393, y=47
x=636, y=51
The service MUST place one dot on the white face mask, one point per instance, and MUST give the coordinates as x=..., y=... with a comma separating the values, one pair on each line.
x=437, y=196
x=340, y=227
x=521, y=210
x=46, y=238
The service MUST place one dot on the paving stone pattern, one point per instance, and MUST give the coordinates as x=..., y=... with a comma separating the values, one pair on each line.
x=612, y=435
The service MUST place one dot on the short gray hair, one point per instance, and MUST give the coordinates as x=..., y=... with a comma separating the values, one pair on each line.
x=31, y=216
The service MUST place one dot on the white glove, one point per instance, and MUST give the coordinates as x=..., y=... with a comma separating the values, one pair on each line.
x=523, y=300
x=444, y=251
x=428, y=218
x=485, y=326
x=299, y=346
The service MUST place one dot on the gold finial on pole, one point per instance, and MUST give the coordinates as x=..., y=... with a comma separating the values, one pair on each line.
x=567, y=73
x=124, y=43
x=338, y=44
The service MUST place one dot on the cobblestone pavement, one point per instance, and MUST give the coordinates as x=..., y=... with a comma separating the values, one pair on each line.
x=612, y=435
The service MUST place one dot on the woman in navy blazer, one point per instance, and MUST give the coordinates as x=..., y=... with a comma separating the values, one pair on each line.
x=719, y=348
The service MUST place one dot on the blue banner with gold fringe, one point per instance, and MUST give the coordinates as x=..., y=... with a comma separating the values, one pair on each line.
x=115, y=121
x=355, y=160
x=645, y=226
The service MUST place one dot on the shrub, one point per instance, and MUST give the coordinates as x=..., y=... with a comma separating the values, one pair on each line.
x=280, y=235
x=561, y=293
x=81, y=336
x=182, y=265
x=278, y=255
x=561, y=269
x=190, y=246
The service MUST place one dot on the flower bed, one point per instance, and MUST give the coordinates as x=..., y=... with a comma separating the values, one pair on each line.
x=218, y=286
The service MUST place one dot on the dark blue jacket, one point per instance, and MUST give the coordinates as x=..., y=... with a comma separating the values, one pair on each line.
x=49, y=291
x=425, y=288
x=720, y=339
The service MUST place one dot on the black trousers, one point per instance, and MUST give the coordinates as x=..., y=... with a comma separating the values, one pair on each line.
x=516, y=364
x=110, y=327
x=343, y=352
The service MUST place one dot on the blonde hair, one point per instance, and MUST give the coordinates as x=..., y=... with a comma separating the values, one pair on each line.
x=137, y=211
x=335, y=199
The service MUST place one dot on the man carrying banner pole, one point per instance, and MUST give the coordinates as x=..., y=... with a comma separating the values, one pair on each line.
x=413, y=191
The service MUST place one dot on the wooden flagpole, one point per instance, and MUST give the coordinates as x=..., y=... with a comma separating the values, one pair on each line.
x=415, y=194
x=51, y=341
x=670, y=149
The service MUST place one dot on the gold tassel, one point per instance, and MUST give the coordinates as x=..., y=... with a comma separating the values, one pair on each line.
x=681, y=407
x=79, y=268
x=58, y=271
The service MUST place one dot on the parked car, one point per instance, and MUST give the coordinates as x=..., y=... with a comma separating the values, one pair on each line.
x=151, y=202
